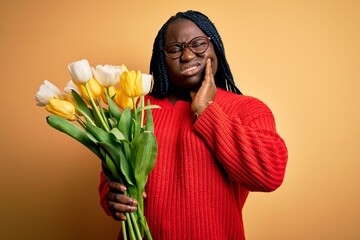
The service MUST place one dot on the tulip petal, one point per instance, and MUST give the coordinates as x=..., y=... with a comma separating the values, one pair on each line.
x=146, y=83
x=46, y=91
x=69, y=87
x=80, y=71
x=107, y=75
x=61, y=108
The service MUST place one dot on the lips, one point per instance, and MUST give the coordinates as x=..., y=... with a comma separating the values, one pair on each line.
x=189, y=70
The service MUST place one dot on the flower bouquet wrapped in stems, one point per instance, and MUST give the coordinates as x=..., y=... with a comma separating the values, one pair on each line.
x=103, y=108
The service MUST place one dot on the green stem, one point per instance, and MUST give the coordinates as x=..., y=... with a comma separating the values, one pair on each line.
x=108, y=92
x=130, y=220
x=96, y=109
x=123, y=226
x=134, y=105
x=80, y=121
x=86, y=117
x=136, y=119
x=102, y=112
x=130, y=226
x=135, y=224
x=141, y=209
x=142, y=111
x=145, y=225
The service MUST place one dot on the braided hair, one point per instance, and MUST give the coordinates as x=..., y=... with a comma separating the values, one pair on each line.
x=158, y=69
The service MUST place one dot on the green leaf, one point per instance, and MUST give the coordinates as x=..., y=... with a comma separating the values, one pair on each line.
x=137, y=126
x=73, y=131
x=111, y=167
x=144, y=152
x=95, y=116
x=112, y=123
x=81, y=104
x=149, y=126
x=107, y=171
x=125, y=124
x=112, y=152
x=118, y=136
x=114, y=110
x=92, y=137
x=100, y=134
x=120, y=161
x=150, y=107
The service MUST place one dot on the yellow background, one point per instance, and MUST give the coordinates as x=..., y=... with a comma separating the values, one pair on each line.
x=301, y=57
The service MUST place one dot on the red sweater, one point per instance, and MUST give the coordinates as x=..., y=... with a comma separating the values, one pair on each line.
x=206, y=168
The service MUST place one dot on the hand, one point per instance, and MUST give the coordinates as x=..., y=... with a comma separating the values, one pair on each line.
x=206, y=92
x=118, y=203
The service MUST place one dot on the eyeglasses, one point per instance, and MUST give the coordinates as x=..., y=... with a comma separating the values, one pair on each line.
x=197, y=45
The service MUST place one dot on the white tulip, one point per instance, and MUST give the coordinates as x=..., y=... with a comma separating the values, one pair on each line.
x=80, y=71
x=146, y=83
x=69, y=87
x=107, y=75
x=46, y=91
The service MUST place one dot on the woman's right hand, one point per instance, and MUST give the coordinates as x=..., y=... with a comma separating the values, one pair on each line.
x=206, y=93
x=118, y=203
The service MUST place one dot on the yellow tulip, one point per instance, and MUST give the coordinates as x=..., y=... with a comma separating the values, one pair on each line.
x=123, y=101
x=111, y=93
x=61, y=108
x=131, y=83
x=68, y=97
x=94, y=88
x=123, y=67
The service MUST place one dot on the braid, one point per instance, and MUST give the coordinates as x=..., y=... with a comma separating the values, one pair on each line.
x=223, y=77
x=158, y=66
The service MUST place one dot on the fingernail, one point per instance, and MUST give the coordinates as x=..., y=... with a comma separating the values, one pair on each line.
x=131, y=209
x=123, y=188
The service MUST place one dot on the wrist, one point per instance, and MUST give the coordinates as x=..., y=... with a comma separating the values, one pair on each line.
x=199, y=109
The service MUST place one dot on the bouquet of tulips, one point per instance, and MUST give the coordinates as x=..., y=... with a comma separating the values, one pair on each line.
x=103, y=108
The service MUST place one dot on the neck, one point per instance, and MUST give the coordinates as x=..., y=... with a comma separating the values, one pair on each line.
x=176, y=95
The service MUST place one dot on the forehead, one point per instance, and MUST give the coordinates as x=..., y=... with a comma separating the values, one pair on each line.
x=182, y=30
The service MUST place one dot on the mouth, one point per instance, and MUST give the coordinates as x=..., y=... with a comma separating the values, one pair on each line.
x=189, y=70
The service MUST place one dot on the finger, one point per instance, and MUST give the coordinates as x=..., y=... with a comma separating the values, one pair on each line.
x=117, y=187
x=208, y=70
x=119, y=216
x=120, y=208
x=121, y=198
x=144, y=195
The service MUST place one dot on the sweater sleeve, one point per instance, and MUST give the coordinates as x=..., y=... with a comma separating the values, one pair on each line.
x=244, y=140
x=103, y=190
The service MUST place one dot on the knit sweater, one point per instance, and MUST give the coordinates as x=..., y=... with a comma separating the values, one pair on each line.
x=206, y=168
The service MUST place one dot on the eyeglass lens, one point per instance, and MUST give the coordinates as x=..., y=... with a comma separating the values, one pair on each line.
x=197, y=45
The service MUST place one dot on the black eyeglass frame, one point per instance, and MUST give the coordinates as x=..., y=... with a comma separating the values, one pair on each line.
x=187, y=45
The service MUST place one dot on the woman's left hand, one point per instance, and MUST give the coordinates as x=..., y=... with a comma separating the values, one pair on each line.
x=206, y=93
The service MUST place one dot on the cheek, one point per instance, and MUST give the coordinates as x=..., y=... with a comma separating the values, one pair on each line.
x=214, y=61
x=214, y=66
x=171, y=66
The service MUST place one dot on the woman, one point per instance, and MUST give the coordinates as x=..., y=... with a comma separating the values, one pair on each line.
x=214, y=144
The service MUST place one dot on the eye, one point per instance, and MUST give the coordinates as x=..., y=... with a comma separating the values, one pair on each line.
x=173, y=48
x=198, y=42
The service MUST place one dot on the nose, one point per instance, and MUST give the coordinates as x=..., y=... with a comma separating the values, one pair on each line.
x=187, y=54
